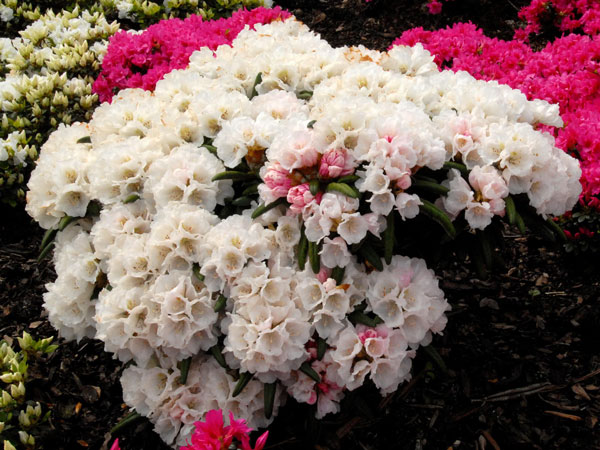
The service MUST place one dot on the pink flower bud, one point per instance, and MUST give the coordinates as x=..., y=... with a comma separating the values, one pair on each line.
x=335, y=163
x=323, y=275
x=299, y=196
x=277, y=179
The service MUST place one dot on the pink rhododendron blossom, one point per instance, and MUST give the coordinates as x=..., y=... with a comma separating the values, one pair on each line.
x=335, y=163
x=115, y=445
x=212, y=434
x=278, y=180
x=299, y=196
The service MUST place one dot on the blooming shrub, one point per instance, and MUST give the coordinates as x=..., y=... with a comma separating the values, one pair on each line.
x=140, y=60
x=564, y=72
x=226, y=231
x=46, y=73
x=560, y=15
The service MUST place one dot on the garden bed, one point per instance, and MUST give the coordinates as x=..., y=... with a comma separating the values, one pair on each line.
x=518, y=365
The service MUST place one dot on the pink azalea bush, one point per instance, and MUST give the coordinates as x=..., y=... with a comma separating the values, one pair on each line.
x=566, y=15
x=140, y=60
x=564, y=72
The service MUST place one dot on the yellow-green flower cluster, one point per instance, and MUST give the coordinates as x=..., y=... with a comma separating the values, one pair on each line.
x=19, y=417
x=50, y=69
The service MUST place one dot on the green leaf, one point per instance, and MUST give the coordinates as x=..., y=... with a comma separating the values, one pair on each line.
x=360, y=317
x=344, y=189
x=64, y=222
x=84, y=140
x=234, y=175
x=439, y=216
x=251, y=190
x=306, y=369
x=242, y=201
x=217, y=353
x=314, y=187
x=244, y=379
x=311, y=123
x=348, y=179
x=129, y=419
x=338, y=274
x=264, y=208
x=48, y=237
x=388, y=238
x=220, y=303
x=131, y=198
x=430, y=186
x=196, y=272
x=321, y=348
x=556, y=229
x=210, y=148
x=45, y=252
x=302, y=249
x=511, y=211
x=313, y=256
x=184, y=368
x=371, y=256
x=304, y=95
x=257, y=81
x=520, y=223
x=270, y=389
x=456, y=165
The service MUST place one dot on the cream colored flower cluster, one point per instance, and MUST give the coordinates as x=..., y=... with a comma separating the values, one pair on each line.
x=179, y=264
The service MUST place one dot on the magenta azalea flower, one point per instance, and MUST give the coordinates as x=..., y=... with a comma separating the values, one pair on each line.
x=213, y=435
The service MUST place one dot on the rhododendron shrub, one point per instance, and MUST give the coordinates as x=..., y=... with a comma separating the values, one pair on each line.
x=240, y=232
x=141, y=59
x=564, y=72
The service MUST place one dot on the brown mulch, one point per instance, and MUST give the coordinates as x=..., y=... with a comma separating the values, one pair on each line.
x=518, y=364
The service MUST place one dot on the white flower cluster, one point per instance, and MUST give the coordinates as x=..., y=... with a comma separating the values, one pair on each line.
x=177, y=275
x=46, y=73
x=156, y=392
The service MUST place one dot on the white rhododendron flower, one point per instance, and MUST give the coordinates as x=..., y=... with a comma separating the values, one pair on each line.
x=222, y=222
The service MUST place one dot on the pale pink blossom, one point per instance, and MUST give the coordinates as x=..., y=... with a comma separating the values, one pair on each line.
x=278, y=180
x=488, y=182
x=299, y=196
x=336, y=163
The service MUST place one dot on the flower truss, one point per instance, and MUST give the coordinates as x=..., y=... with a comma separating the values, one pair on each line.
x=225, y=232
